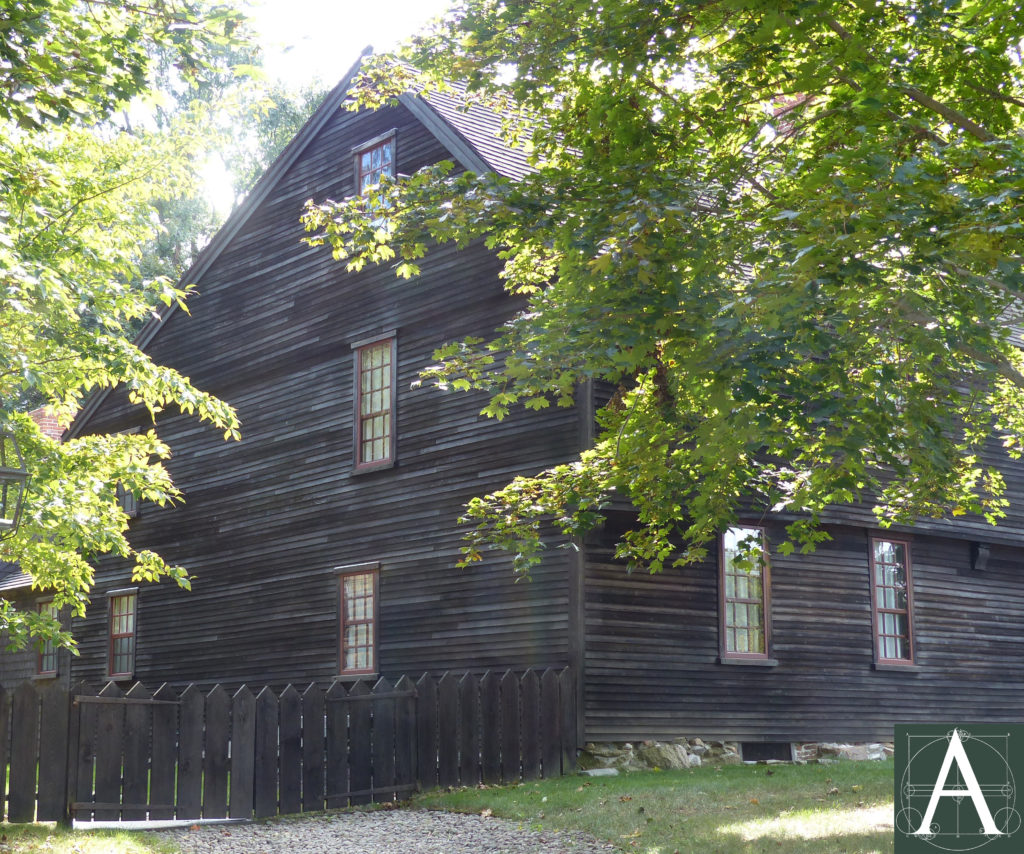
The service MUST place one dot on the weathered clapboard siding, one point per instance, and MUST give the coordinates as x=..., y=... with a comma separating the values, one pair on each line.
x=652, y=648
x=267, y=520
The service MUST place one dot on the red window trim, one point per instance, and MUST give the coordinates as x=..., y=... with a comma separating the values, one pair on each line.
x=725, y=653
x=40, y=605
x=358, y=348
x=372, y=570
x=387, y=138
x=875, y=610
x=133, y=592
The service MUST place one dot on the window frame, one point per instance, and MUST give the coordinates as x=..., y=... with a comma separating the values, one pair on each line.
x=734, y=656
x=47, y=649
x=343, y=573
x=133, y=592
x=387, y=138
x=879, y=660
x=358, y=349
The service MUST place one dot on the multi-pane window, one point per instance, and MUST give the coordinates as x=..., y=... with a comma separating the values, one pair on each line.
x=128, y=500
x=743, y=584
x=373, y=161
x=358, y=622
x=46, y=665
x=375, y=388
x=122, y=633
x=890, y=587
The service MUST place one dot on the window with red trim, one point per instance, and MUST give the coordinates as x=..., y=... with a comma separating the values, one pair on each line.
x=122, y=612
x=46, y=663
x=358, y=652
x=373, y=161
x=743, y=594
x=891, y=601
x=375, y=403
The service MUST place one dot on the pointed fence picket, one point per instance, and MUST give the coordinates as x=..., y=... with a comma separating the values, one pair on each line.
x=187, y=755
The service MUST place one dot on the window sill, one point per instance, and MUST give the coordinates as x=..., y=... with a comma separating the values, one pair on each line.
x=749, y=662
x=124, y=677
x=44, y=677
x=896, y=667
x=355, y=677
x=369, y=468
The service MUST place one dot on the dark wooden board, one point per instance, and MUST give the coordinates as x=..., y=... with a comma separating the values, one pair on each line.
x=405, y=735
x=24, y=744
x=243, y=748
x=529, y=698
x=290, y=711
x=360, y=749
x=216, y=753
x=110, y=728
x=490, y=728
x=137, y=741
x=53, y=753
x=551, y=725
x=469, y=730
x=448, y=730
x=383, y=742
x=164, y=760
x=313, y=782
x=190, y=754
x=265, y=770
x=510, y=736
x=426, y=732
x=338, y=746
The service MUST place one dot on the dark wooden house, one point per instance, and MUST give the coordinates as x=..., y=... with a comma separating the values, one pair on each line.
x=322, y=545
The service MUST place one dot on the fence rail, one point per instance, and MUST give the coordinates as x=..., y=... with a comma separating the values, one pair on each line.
x=110, y=755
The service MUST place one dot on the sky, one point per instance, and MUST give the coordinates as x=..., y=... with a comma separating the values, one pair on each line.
x=308, y=39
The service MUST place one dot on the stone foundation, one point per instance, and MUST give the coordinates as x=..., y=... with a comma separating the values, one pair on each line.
x=693, y=752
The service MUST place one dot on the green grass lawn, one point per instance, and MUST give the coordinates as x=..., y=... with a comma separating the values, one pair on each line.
x=54, y=840
x=844, y=808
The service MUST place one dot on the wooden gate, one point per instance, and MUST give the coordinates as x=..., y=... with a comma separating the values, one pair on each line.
x=168, y=755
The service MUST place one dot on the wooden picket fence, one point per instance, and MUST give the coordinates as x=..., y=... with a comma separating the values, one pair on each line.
x=110, y=755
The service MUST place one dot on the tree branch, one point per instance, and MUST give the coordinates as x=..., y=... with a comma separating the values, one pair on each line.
x=992, y=93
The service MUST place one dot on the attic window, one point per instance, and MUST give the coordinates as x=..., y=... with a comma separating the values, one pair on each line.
x=374, y=159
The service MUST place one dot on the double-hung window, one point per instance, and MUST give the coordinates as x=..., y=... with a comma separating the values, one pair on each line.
x=374, y=159
x=374, y=421
x=46, y=663
x=744, y=626
x=891, y=601
x=358, y=619
x=121, y=617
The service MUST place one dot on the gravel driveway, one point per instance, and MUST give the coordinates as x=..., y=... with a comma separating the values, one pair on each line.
x=382, y=832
